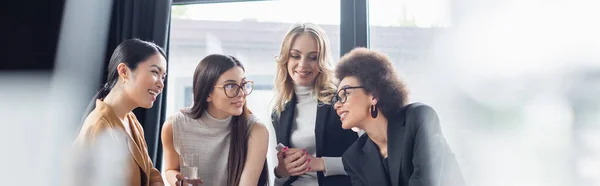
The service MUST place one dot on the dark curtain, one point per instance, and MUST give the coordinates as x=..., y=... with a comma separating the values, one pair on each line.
x=146, y=20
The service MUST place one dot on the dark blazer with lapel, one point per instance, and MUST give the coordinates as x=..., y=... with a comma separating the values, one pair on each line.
x=418, y=154
x=331, y=140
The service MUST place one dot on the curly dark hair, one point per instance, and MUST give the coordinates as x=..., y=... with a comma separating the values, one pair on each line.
x=375, y=72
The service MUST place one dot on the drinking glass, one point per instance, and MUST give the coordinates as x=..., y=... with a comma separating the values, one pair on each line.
x=189, y=165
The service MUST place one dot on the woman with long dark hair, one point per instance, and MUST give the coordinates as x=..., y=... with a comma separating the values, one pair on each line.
x=229, y=143
x=136, y=72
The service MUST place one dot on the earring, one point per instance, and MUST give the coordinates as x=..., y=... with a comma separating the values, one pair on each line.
x=373, y=111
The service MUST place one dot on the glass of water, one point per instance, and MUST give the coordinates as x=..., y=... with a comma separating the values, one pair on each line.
x=188, y=163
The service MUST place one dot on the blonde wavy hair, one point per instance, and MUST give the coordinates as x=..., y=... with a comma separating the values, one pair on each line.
x=324, y=85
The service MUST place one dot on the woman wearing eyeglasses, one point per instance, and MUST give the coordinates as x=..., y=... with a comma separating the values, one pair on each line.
x=303, y=119
x=403, y=145
x=228, y=143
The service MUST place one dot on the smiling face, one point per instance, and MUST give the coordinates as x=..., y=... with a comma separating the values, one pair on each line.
x=146, y=82
x=353, y=104
x=229, y=94
x=303, y=61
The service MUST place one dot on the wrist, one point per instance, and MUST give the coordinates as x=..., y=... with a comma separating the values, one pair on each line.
x=277, y=173
x=320, y=165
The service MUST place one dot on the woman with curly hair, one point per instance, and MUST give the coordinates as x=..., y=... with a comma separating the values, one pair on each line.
x=403, y=144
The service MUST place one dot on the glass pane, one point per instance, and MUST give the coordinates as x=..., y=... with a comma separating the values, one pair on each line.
x=252, y=32
x=512, y=82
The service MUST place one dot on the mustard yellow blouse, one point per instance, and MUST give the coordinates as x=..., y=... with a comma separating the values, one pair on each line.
x=103, y=120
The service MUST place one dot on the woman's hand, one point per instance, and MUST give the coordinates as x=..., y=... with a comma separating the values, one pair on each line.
x=316, y=164
x=292, y=162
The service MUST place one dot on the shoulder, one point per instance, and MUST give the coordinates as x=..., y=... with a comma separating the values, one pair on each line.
x=421, y=110
x=356, y=148
x=420, y=115
x=182, y=115
x=95, y=126
x=175, y=122
x=168, y=125
x=95, y=122
x=177, y=117
x=253, y=121
x=255, y=127
x=351, y=156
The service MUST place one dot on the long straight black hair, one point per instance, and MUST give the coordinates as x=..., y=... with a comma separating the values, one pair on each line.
x=130, y=52
x=205, y=77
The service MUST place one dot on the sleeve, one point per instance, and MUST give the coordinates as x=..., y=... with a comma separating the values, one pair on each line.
x=333, y=166
x=353, y=176
x=155, y=176
x=279, y=181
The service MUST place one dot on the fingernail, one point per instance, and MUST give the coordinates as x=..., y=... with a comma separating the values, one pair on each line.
x=306, y=153
x=308, y=168
x=303, y=150
x=285, y=148
x=308, y=160
x=185, y=178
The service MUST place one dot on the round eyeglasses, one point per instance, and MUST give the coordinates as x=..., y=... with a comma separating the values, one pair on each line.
x=232, y=90
x=343, y=97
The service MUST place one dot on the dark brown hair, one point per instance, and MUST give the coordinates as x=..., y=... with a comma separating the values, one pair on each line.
x=375, y=72
x=205, y=77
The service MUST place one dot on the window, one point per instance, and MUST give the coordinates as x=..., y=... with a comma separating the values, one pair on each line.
x=252, y=36
x=511, y=82
x=250, y=31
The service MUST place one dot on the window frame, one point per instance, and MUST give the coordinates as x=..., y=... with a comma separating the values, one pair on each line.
x=187, y=2
x=354, y=25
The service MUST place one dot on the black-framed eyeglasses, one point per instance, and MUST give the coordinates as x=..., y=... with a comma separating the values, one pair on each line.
x=232, y=90
x=343, y=96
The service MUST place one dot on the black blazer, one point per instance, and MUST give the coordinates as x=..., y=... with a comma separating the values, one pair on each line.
x=418, y=154
x=330, y=138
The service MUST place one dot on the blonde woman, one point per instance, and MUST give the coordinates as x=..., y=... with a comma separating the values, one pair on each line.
x=303, y=118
